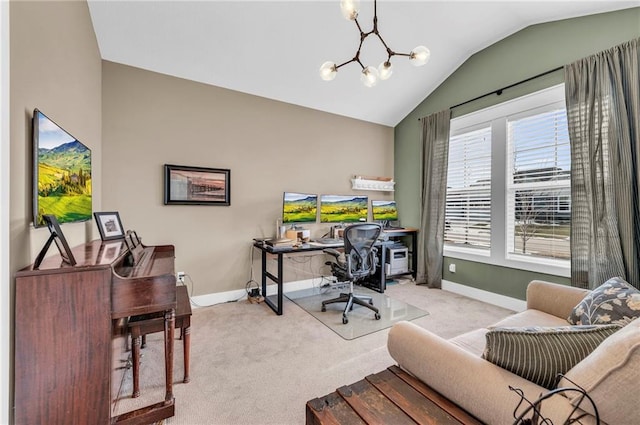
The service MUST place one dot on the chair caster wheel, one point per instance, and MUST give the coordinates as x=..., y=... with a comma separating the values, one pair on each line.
x=345, y=320
x=323, y=308
x=377, y=316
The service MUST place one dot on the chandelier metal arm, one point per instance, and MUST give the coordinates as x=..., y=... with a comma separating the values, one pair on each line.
x=348, y=62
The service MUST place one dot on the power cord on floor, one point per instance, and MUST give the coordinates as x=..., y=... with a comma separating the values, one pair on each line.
x=190, y=292
x=252, y=287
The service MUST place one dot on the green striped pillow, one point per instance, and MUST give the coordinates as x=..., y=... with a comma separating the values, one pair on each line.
x=539, y=354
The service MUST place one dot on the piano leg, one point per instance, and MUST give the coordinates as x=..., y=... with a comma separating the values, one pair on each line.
x=169, y=330
x=135, y=347
x=186, y=344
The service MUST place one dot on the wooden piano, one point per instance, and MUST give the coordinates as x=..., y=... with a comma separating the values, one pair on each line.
x=70, y=322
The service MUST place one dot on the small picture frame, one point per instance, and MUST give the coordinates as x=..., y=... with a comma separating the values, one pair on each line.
x=61, y=242
x=109, y=225
x=185, y=185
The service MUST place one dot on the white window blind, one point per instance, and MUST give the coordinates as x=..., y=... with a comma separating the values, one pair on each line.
x=468, y=209
x=538, y=185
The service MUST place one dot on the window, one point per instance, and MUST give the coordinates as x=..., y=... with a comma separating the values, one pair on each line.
x=539, y=185
x=468, y=212
x=508, y=184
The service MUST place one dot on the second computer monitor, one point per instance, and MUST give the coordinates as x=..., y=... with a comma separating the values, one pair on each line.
x=343, y=208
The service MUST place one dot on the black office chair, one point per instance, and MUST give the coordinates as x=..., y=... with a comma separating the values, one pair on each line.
x=360, y=262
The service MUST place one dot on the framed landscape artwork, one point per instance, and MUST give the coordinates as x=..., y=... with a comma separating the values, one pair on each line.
x=184, y=185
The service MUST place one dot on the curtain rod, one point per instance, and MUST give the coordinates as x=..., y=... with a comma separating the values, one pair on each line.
x=499, y=91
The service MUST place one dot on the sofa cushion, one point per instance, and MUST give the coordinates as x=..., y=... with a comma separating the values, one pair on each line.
x=615, y=301
x=530, y=318
x=610, y=375
x=539, y=354
x=472, y=341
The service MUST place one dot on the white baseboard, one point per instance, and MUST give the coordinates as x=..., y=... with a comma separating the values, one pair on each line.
x=485, y=296
x=478, y=294
x=239, y=294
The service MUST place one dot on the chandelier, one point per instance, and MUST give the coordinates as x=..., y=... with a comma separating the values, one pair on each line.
x=370, y=75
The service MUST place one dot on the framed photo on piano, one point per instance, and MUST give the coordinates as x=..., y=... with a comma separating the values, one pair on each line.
x=109, y=225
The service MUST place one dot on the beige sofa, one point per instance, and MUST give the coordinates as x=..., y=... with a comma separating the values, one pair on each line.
x=455, y=368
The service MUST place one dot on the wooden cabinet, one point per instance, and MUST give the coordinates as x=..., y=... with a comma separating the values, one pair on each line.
x=63, y=347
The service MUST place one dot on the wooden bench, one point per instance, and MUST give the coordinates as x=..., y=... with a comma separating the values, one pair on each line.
x=389, y=397
x=140, y=326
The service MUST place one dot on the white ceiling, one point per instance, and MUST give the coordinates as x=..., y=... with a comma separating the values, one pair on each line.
x=274, y=49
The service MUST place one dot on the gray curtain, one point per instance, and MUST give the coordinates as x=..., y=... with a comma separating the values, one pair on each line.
x=603, y=97
x=435, y=156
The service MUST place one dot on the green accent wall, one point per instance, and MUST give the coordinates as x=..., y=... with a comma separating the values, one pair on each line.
x=531, y=51
x=502, y=280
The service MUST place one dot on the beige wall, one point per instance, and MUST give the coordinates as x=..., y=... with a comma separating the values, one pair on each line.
x=55, y=66
x=270, y=147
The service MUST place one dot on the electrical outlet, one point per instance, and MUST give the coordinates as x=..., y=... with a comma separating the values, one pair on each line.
x=452, y=267
x=180, y=276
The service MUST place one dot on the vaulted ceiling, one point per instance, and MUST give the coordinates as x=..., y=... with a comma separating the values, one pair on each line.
x=274, y=49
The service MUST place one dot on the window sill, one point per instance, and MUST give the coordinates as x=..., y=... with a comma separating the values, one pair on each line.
x=538, y=265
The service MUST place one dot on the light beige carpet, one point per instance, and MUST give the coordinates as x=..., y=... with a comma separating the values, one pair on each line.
x=250, y=366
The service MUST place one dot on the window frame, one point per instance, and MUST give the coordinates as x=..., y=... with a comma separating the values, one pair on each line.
x=496, y=116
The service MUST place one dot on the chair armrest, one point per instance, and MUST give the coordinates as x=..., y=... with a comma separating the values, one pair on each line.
x=332, y=251
x=553, y=298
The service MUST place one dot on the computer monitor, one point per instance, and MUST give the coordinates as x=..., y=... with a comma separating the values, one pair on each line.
x=343, y=208
x=299, y=207
x=384, y=211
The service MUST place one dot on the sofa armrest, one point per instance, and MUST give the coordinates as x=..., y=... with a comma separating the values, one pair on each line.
x=476, y=385
x=553, y=298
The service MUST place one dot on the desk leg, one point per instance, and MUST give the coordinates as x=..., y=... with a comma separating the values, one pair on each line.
x=280, y=284
x=264, y=273
x=382, y=275
x=276, y=279
x=414, y=255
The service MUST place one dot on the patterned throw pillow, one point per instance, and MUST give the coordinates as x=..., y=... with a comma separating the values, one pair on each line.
x=613, y=302
x=539, y=354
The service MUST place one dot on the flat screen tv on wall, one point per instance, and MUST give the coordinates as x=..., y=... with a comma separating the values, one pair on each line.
x=61, y=174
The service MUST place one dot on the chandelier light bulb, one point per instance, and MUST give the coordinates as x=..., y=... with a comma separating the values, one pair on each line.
x=369, y=76
x=419, y=56
x=350, y=9
x=385, y=70
x=328, y=71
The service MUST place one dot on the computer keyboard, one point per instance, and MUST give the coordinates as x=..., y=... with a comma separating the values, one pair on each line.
x=328, y=241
